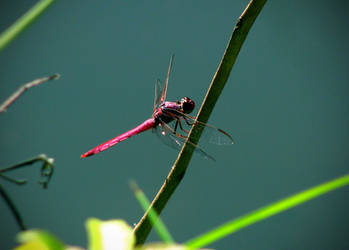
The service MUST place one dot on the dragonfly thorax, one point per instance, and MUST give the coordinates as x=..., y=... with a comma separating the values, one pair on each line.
x=169, y=111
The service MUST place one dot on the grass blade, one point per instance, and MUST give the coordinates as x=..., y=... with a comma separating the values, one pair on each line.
x=267, y=211
x=153, y=216
x=23, y=22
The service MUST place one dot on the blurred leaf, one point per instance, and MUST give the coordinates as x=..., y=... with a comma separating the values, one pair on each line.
x=112, y=234
x=162, y=246
x=32, y=245
x=38, y=240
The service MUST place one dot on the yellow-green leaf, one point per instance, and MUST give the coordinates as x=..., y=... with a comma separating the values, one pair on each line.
x=112, y=234
x=38, y=240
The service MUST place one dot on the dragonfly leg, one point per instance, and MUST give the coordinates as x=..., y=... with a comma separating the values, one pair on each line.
x=198, y=149
x=178, y=122
x=185, y=119
x=174, y=131
x=175, y=128
x=180, y=125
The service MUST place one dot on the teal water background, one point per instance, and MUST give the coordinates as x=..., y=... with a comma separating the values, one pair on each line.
x=285, y=104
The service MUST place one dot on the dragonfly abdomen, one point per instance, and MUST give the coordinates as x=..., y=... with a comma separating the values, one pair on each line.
x=146, y=125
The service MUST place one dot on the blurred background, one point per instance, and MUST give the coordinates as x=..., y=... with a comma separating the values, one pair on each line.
x=285, y=104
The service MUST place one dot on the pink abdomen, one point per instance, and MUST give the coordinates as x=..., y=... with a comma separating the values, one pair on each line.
x=148, y=124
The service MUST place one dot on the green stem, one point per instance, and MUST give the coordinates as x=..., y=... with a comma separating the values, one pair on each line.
x=177, y=172
x=47, y=169
x=23, y=22
x=18, y=182
x=30, y=161
x=13, y=208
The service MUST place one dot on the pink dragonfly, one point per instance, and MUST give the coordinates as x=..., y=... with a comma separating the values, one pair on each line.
x=166, y=119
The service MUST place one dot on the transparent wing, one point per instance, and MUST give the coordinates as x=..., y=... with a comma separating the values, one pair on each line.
x=167, y=137
x=175, y=140
x=164, y=90
x=157, y=96
x=210, y=134
x=160, y=91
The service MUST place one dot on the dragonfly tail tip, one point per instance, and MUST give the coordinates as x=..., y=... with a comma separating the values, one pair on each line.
x=85, y=155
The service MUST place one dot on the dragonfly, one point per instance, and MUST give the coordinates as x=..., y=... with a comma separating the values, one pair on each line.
x=171, y=122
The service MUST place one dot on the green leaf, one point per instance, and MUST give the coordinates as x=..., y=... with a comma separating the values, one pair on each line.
x=38, y=240
x=267, y=211
x=112, y=234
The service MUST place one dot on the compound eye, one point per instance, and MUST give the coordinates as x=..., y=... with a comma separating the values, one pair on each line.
x=188, y=105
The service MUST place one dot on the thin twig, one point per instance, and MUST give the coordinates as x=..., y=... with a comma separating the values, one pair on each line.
x=25, y=87
x=177, y=172
x=13, y=208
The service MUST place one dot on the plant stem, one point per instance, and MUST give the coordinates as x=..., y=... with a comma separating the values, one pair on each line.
x=13, y=208
x=46, y=169
x=30, y=161
x=219, y=80
x=23, y=22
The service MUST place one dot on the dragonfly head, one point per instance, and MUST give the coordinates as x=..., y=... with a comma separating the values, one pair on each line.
x=187, y=105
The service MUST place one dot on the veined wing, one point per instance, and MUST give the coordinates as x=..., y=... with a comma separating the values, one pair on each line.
x=161, y=90
x=164, y=90
x=210, y=134
x=176, y=140
x=157, y=96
